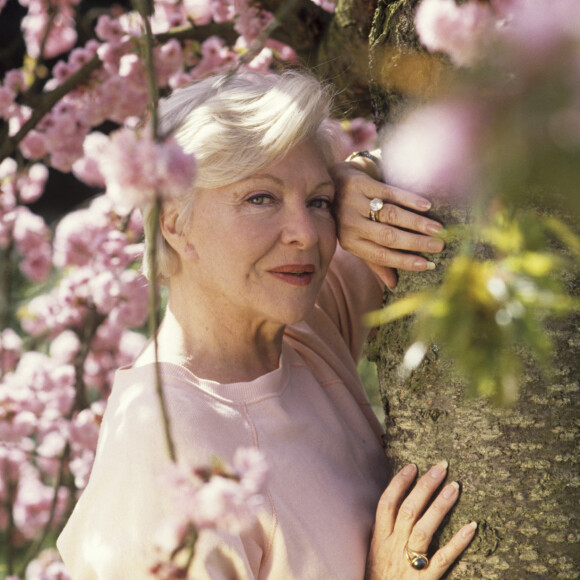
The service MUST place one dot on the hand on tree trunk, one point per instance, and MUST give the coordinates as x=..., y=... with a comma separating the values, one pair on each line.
x=397, y=236
x=404, y=528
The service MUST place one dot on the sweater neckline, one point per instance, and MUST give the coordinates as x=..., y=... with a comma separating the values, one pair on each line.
x=269, y=384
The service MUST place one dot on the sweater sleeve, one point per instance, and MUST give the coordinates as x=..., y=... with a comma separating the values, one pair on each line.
x=350, y=290
x=112, y=531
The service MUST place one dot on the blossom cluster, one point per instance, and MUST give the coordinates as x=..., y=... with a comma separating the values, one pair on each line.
x=115, y=91
x=52, y=396
x=73, y=301
x=517, y=60
x=217, y=497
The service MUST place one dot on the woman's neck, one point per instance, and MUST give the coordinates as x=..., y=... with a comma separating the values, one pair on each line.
x=236, y=351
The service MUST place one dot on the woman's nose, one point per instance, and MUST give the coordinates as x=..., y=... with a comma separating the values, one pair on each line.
x=299, y=228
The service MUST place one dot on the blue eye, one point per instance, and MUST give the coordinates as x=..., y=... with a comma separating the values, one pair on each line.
x=321, y=203
x=260, y=199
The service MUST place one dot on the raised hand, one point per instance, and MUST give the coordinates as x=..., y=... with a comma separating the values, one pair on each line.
x=397, y=237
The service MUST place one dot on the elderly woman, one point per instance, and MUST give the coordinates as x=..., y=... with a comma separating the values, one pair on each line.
x=259, y=347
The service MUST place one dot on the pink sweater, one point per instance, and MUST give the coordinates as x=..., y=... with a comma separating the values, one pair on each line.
x=310, y=417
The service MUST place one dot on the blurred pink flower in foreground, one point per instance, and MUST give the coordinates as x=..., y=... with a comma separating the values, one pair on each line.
x=219, y=497
x=434, y=149
x=459, y=31
x=214, y=497
x=518, y=34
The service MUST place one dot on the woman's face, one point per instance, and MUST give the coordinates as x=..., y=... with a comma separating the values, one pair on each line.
x=259, y=249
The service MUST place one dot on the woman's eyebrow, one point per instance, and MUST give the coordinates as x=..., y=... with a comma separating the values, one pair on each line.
x=280, y=182
x=273, y=178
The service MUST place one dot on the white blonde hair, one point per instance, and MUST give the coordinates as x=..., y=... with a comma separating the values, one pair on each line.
x=235, y=124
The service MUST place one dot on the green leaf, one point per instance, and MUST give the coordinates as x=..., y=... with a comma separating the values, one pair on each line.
x=398, y=309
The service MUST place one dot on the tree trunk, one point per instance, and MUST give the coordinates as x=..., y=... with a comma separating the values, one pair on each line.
x=518, y=466
x=343, y=56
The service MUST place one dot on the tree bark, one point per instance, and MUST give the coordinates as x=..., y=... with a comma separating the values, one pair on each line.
x=343, y=56
x=518, y=465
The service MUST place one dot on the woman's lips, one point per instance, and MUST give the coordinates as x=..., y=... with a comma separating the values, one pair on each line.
x=294, y=274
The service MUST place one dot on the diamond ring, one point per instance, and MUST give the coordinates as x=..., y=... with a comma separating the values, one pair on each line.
x=376, y=205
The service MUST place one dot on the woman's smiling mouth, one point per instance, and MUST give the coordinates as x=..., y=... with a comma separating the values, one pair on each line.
x=294, y=274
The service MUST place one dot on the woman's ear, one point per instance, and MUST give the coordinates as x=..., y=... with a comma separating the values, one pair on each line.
x=172, y=232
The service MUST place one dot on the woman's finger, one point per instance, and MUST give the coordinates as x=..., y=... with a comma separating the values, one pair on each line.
x=373, y=253
x=414, y=505
x=391, y=500
x=394, y=238
x=386, y=274
x=406, y=198
x=424, y=529
x=392, y=194
x=446, y=555
x=393, y=215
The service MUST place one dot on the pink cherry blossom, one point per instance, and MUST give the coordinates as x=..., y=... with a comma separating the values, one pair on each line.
x=130, y=345
x=434, y=149
x=250, y=21
x=77, y=237
x=168, y=14
x=137, y=170
x=461, y=31
x=216, y=57
x=64, y=131
x=223, y=10
x=15, y=80
x=37, y=262
x=223, y=503
x=328, y=5
x=33, y=145
x=47, y=566
x=200, y=11
x=10, y=350
x=32, y=240
x=29, y=229
x=7, y=98
x=31, y=185
x=110, y=30
x=168, y=61
x=64, y=347
x=62, y=34
x=251, y=467
x=533, y=36
x=220, y=500
x=87, y=168
x=33, y=500
x=132, y=307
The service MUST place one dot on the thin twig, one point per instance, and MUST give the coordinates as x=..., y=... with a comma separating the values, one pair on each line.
x=154, y=326
x=153, y=294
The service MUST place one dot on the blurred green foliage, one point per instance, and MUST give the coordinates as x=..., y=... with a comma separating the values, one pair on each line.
x=488, y=314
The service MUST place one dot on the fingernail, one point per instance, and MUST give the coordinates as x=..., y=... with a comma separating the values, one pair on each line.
x=439, y=469
x=409, y=469
x=424, y=205
x=450, y=490
x=435, y=246
x=423, y=265
x=469, y=529
x=434, y=228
